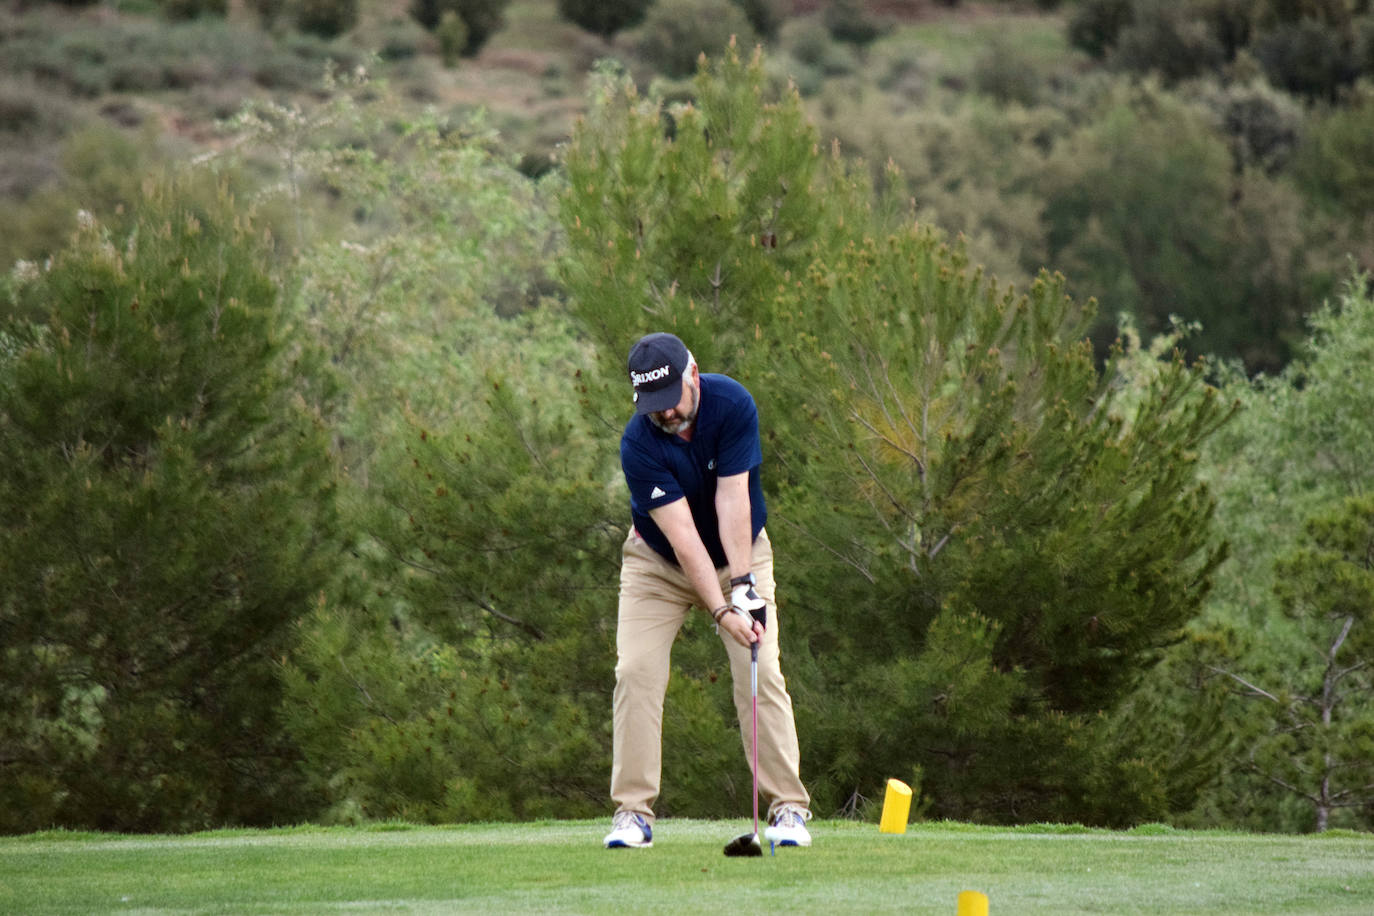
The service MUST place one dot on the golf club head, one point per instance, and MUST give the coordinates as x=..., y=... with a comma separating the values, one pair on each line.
x=745, y=845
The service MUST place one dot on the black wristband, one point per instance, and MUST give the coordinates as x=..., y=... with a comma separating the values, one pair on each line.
x=746, y=579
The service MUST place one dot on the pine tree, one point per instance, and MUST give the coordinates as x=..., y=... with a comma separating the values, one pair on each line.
x=465, y=672
x=964, y=469
x=166, y=515
x=1295, y=453
x=984, y=539
x=1317, y=737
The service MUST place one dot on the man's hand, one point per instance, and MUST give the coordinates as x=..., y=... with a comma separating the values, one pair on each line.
x=741, y=626
x=747, y=601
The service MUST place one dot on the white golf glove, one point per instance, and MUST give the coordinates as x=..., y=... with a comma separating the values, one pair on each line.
x=746, y=600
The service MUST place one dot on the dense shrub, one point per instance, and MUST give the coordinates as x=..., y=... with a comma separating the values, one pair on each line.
x=604, y=17
x=453, y=37
x=1297, y=450
x=459, y=447
x=675, y=35
x=807, y=40
x=1095, y=24
x=1167, y=39
x=166, y=515
x=481, y=17
x=401, y=38
x=268, y=11
x=1231, y=22
x=766, y=16
x=1364, y=43
x=1308, y=58
x=29, y=110
x=1333, y=162
x=19, y=112
x=815, y=56
x=1310, y=48
x=325, y=18
x=301, y=60
x=193, y=9
x=1144, y=210
x=91, y=59
x=1263, y=124
x=1004, y=73
x=850, y=22
x=96, y=169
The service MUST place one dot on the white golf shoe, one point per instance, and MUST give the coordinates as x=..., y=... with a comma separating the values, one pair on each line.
x=787, y=827
x=629, y=831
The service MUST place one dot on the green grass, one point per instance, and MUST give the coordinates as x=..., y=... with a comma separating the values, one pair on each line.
x=559, y=867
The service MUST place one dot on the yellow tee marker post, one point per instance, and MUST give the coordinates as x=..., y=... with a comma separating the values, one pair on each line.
x=972, y=903
x=896, y=807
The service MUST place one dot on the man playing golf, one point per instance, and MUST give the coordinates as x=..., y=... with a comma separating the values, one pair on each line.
x=691, y=456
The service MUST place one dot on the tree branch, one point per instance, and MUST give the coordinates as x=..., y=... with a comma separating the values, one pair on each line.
x=1254, y=691
x=521, y=625
x=1340, y=640
x=859, y=568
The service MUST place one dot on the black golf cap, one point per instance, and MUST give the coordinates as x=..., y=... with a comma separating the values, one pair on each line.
x=656, y=364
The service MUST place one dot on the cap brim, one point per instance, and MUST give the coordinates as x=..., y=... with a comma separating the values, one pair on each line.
x=660, y=400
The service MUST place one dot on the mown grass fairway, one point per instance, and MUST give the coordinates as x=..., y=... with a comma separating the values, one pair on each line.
x=559, y=867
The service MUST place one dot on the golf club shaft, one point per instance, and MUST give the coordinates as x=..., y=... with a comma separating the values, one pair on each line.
x=754, y=702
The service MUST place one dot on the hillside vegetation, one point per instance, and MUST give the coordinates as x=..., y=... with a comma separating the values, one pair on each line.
x=1187, y=161
x=311, y=353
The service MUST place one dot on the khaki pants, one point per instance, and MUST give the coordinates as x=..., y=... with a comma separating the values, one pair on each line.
x=655, y=598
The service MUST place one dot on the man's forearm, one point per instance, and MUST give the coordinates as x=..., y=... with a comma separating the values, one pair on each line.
x=675, y=521
x=736, y=523
x=701, y=572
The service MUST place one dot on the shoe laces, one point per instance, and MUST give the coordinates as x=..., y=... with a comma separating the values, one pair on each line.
x=791, y=816
x=624, y=820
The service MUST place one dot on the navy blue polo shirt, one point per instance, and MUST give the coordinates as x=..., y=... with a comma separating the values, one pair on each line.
x=661, y=468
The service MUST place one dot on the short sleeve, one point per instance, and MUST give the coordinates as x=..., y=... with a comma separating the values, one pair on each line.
x=739, y=449
x=650, y=482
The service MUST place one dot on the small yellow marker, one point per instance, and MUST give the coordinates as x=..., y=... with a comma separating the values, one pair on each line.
x=896, y=807
x=972, y=903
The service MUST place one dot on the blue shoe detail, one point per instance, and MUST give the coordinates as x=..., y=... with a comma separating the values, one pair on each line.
x=629, y=831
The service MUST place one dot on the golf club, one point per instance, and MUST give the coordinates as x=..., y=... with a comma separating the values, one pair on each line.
x=748, y=844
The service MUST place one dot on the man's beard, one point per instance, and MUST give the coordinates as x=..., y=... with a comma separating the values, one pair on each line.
x=681, y=424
